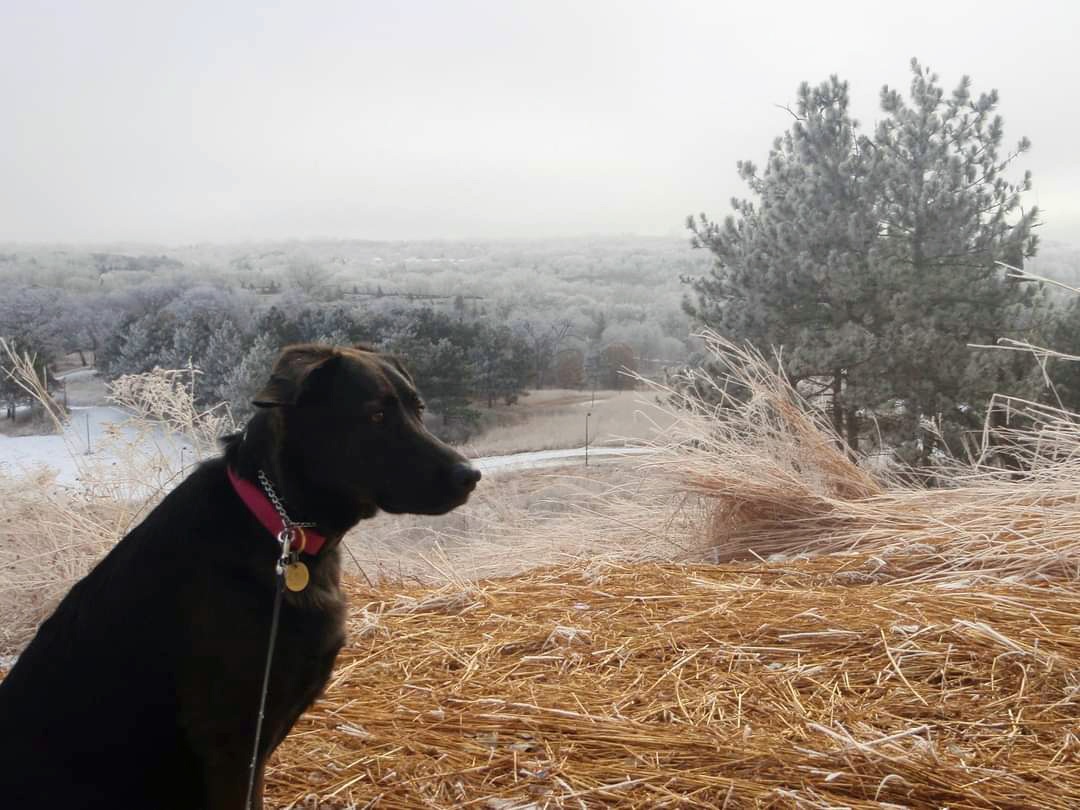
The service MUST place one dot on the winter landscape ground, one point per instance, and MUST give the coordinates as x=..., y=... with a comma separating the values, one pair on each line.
x=742, y=616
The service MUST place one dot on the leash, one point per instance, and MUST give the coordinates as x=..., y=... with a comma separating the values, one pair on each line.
x=285, y=538
x=285, y=563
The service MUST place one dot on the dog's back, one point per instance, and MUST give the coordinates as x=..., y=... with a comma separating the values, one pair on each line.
x=107, y=661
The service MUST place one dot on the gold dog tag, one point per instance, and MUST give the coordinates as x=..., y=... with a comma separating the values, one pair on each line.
x=296, y=576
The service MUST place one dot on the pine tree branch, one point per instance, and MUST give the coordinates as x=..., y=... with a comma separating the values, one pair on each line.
x=790, y=111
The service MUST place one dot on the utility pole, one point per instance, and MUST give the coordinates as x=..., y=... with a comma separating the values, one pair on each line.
x=588, y=413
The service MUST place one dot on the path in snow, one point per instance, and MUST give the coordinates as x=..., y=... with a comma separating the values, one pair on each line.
x=552, y=458
x=21, y=454
x=88, y=428
x=77, y=374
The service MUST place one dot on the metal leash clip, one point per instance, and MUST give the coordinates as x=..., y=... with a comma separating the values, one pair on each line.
x=296, y=573
x=285, y=540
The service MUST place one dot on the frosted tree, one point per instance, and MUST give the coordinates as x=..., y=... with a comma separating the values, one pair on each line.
x=870, y=262
x=444, y=376
x=138, y=344
x=947, y=214
x=243, y=382
x=793, y=269
x=501, y=363
x=224, y=350
x=190, y=339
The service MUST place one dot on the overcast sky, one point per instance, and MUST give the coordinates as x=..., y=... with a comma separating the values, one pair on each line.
x=191, y=121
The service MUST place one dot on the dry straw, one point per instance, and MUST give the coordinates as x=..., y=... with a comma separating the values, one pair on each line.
x=647, y=685
x=852, y=643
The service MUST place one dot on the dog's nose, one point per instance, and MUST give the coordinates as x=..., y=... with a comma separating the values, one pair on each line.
x=465, y=476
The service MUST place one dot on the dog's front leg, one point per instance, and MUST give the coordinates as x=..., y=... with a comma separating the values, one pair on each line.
x=221, y=742
x=227, y=785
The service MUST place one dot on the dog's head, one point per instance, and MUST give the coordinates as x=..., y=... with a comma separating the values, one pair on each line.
x=352, y=423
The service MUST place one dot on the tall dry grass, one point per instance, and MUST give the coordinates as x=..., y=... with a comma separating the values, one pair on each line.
x=515, y=521
x=52, y=534
x=778, y=482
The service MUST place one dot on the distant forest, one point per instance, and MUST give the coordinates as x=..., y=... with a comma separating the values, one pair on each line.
x=478, y=321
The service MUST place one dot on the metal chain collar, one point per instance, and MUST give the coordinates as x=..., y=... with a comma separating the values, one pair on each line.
x=288, y=531
x=268, y=488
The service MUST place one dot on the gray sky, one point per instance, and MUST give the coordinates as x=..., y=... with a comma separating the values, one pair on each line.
x=235, y=120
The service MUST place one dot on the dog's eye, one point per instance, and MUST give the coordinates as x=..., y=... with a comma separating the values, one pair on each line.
x=378, y=416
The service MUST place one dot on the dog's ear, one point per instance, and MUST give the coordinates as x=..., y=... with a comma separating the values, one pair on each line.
x=296, y=372
x=396, y=363
x=392, y=359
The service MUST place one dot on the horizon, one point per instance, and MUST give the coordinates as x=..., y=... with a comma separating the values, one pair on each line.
x=284, y=240
x=125, y=245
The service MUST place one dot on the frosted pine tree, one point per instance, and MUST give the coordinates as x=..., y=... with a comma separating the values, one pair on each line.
x=224, y=350
x=947, y=214
x=249, y=375
x=792, y=270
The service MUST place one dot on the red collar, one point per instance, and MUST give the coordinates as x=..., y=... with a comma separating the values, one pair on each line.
x=309, y=541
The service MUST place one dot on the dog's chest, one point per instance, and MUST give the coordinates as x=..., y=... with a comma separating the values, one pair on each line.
x=315, y=616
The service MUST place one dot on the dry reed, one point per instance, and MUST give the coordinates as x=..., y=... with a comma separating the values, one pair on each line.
x=774, y=481
x=52, y=535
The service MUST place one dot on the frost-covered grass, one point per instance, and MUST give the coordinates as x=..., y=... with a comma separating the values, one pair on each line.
x=552, y=419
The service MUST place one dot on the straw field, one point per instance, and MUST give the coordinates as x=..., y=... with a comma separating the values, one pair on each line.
x=649, y=685
x=752, y=620
x=747, y=618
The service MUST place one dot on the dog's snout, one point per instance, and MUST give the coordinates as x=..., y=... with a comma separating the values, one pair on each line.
x=465, y=476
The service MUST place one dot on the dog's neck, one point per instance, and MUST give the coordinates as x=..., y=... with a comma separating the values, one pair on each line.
x=259, y=448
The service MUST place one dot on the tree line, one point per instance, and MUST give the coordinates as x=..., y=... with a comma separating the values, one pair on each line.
x=462, y=361
x=570, y=310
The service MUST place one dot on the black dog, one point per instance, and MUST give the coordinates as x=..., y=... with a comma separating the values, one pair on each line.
x=142, y=689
